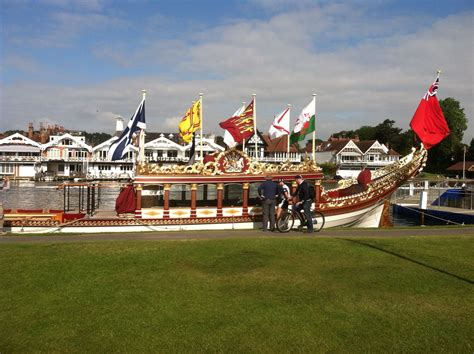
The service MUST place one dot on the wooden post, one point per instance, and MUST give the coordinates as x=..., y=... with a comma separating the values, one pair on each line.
x=138, y=202
x=194, y=187
x=166, y=201
x=245, y=199
x=220, y=191
x=317, y=190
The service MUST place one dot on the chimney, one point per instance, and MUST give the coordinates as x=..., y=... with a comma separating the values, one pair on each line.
x=43, y=134
x=118, y=126
x=30, y=130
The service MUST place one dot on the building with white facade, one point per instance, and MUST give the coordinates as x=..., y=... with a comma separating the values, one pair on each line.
x=350, y=156
x=20, y=157
x=69, y=156
x=66, y=155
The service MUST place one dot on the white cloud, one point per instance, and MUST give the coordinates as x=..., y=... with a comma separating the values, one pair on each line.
x=363, y=70
x=63, y=28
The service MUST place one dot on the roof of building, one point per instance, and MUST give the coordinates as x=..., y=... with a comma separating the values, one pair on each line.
x=393, y=152
x=278, y=144
x=337, y=145
x=458, y=166
x=327, y=146
x=150, y=136
x=365, y=145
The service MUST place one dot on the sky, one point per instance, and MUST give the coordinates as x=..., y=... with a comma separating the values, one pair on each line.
x=81, y=64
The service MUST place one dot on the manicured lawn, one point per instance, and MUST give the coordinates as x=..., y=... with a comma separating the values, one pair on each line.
x=240, y=295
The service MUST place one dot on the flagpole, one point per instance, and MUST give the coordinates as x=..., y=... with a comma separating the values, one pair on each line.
x=314, y=131
x=288, y=135
x=254, y=95
x=200, y=115
x=243, y=141
x=141, y=139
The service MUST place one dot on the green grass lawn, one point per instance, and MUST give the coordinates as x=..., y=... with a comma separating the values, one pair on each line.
x=266, y=295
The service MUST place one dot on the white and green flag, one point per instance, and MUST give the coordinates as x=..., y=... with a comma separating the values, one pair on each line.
x=305, y=123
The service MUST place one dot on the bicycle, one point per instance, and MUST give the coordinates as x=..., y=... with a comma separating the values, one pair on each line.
x=288, y=216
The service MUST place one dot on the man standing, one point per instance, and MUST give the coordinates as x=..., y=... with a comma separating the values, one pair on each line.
x=268, y=192
x=305, y=201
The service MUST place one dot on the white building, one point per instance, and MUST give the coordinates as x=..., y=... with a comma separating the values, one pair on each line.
x=351, y=156
x=100, y=166
x=66, y=155
x=20, y=157
x=271, y=150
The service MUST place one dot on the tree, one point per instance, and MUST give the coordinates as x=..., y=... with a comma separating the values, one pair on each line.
x=450, y=149
x=470, y=151
x=386, y=133
x=348, y=134
x=95, y=139
x=366, y=132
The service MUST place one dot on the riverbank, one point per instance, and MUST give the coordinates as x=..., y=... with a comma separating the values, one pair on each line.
x=227, y=234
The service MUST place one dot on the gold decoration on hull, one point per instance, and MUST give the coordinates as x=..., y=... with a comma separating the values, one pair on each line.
x=212, y=168
x=384, y=180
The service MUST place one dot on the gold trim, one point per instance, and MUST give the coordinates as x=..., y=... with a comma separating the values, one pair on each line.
x=212, y=168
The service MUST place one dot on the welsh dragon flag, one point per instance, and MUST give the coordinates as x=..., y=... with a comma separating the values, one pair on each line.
x=305, y=123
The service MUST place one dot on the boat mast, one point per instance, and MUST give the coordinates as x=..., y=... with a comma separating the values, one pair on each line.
x=243, y=141
x=141, y=140
x=288, y=135
x=200, y=116
x=314, y=131
x=255, y=122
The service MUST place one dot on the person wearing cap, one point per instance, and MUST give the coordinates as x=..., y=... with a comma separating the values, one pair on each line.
x=304, y=201
x=268, y=191
x=285, y=196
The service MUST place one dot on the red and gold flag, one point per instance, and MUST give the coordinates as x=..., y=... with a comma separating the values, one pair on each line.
x=239, y=127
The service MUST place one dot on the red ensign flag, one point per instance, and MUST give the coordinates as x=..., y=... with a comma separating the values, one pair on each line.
x=428, y=121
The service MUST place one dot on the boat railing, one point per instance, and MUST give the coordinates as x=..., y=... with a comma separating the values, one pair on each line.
x=445, y=193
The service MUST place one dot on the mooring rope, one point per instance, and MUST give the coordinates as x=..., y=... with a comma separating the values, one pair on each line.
x=432, y=216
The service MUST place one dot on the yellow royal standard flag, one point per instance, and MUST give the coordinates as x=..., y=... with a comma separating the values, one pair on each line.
x=190, y=122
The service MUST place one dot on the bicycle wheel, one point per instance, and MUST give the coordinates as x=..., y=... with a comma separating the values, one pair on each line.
x=285, y=222
x=318, y=220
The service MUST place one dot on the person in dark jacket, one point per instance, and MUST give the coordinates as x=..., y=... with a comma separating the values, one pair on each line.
x=304, y=201
x=268, y=192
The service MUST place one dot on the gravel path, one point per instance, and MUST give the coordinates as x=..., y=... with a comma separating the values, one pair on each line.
x=193, y=235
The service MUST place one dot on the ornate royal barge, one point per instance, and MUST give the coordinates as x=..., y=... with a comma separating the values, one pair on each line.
x=222, y=194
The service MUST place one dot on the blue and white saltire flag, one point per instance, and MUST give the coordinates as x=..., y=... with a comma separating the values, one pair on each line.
x=119, y=148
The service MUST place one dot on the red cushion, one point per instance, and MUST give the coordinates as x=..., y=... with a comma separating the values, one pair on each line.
x=364, y=177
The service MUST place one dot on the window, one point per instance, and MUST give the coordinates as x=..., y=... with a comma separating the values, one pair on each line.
x=6, y=168
x=232, y=195
x=180, y=195
x=152, y=196
x=253, y=194
x=206, y=195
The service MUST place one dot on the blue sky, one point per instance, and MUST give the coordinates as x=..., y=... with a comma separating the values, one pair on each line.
x=83, y=63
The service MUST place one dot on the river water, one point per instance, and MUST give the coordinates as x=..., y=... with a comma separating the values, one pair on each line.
x=46, y=195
